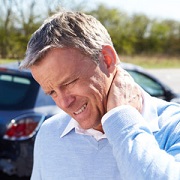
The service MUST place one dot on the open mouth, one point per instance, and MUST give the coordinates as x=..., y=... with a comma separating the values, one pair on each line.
x=81, y=110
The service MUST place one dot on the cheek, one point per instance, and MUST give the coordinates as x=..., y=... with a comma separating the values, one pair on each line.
x=98, y=89
x=101, y=84
x=89, y=89
x=57, y=102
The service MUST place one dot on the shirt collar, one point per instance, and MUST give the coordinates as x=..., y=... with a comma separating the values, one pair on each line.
x=71, y=125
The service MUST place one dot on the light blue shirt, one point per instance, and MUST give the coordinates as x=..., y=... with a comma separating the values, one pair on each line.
x=137, y=146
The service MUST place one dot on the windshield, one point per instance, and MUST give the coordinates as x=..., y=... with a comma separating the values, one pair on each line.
x=148, y=84
x=17, y=92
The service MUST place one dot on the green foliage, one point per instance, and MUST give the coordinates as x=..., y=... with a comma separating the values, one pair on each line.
x=153, y=61
x=138, y=34
x=131, y=35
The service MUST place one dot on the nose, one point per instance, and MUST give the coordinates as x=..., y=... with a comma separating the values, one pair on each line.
x=64, y=100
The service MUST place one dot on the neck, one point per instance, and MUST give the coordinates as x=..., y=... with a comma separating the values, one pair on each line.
x=99, y=128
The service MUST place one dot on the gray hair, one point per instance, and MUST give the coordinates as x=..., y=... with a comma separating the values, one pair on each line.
x=67, y=29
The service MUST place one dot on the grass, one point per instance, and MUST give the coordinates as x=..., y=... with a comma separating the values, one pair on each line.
x=153, y=62
x=3, y=61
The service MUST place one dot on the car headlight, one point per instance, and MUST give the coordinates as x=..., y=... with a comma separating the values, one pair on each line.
x=23, y=127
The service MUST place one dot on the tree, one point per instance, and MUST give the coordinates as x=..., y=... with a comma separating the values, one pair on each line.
x=139, y=30
x=130, y=34
x=117, y=24
x=5, y=26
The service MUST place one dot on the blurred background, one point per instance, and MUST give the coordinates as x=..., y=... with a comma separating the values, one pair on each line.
x=144, y=32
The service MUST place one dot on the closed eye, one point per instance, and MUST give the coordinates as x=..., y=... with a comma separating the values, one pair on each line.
x=51, y=93
x=62, y=87
x=71, y=82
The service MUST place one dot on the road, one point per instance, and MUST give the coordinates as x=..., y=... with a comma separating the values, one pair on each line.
x=171, y=77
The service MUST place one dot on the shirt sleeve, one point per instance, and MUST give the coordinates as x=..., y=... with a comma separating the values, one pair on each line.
x=135, y=148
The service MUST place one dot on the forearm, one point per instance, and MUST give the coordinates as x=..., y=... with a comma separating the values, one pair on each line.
x=136, y=150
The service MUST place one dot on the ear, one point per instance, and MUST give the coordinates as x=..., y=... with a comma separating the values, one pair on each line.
x=109, y=55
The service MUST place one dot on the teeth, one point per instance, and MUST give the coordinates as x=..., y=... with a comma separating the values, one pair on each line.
x=81, y=110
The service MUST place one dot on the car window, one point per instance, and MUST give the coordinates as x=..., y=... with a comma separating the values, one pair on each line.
x=17, y=92
x=148, y=84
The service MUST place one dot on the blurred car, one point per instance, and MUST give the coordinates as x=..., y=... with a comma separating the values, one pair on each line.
x=24, y=106
x=150, y=83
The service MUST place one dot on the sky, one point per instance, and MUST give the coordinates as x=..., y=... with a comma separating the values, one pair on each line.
x=161, y=9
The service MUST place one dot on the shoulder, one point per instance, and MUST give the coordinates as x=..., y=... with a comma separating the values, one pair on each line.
x=55, y=124
x=168, y=112
x=169, y=118
x=58, y=119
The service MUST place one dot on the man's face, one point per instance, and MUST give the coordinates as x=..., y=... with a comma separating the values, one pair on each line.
x=76, y=84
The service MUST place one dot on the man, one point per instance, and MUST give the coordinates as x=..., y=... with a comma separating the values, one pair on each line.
x=110, y=129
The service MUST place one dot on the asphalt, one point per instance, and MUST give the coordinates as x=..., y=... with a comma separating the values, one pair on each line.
x=170, y=77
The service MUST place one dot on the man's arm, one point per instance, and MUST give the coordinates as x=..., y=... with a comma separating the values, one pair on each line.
x=134, y=146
